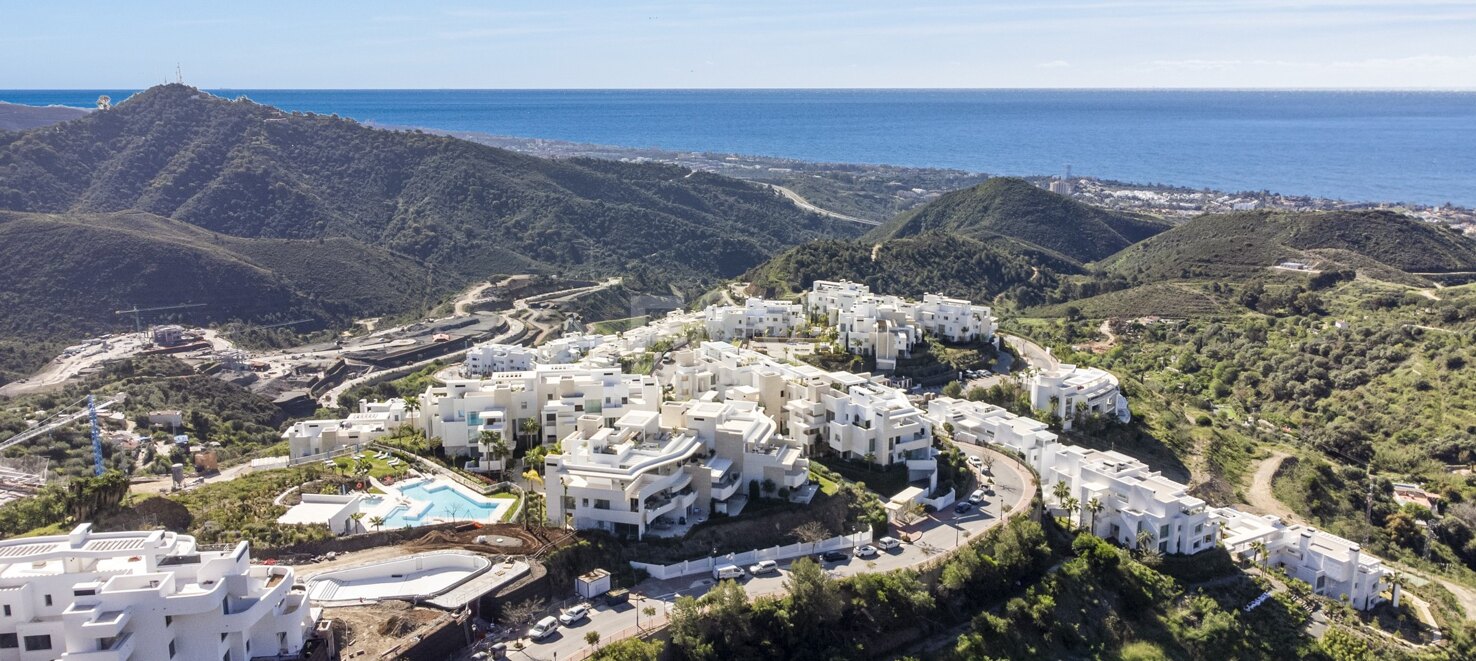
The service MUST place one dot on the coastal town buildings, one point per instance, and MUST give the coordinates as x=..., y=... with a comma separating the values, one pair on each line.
x=887, y=327
x=148, y=595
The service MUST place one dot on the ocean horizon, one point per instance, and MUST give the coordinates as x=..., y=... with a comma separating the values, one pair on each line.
x=1410, y=146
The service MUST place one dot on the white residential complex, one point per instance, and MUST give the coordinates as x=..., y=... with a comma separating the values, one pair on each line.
x=1333, y=566
x=669, y=470
x=553, y=396
x=491, y=358
x=312, y=438
x=887, y=327
x=755, y=318
x=1139, y=506
x=1068, y=390
x=151, y=595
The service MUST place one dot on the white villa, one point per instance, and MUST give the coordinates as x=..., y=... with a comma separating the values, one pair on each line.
x=755, y=318
x=880, y=327
x=1333, y=566
x=311, y=438
x=1137, y=501
x=555, y=396
x=667, y=471
x=146, y=595
x=887, y=327
x=954, y=319
x=491, y=358
x=1068, y=390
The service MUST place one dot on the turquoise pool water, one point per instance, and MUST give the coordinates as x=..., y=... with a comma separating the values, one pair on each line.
x=445, y=503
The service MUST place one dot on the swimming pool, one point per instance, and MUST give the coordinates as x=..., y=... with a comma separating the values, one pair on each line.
x=430, y=501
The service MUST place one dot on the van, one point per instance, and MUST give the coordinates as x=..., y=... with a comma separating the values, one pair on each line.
x=887, y=543
x=726, y=572
x=544, y=627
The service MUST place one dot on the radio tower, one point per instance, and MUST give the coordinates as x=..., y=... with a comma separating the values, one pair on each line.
x=178, y=74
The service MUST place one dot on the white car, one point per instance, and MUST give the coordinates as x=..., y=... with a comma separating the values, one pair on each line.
x=763, y=567
x=543, y=628
x=977, y=497
x=888, y=543
x=574, y=614
x=866, y=551
x=975, y=461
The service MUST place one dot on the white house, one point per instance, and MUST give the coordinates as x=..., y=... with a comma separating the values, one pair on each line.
x=756, y=317
x=553, y=396
x=146, y=595
x=1333, y=566
x=1068, y=390
x=375, y=420
x=954, y=319
x=491, y=358
x=333, y=510
x=1138, y=505
x=880, y=327
x=827, y=297
x=666, y=471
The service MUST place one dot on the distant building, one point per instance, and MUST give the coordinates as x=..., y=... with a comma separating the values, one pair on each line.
x=166, y=418
x=1333, y=566
x=168, y=336
x=1067, y=390
x=755, y=318
x=375, y=420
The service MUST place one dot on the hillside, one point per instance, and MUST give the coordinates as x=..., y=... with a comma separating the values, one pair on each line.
x=17, y=117
x=79, y=268
x=1013, y=210
x=911, y=266
x=1244, y=244
x=246, y=170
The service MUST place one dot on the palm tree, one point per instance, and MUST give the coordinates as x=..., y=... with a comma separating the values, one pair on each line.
x=358, y=518
x=1145, y=540
x=412, y=403
x=870, y=460
x=531, y=429
x=1061, y=491
x=499, y=450
x=1094, y=506
x=377, y=522
x=1259, y=552
x=1070, y=505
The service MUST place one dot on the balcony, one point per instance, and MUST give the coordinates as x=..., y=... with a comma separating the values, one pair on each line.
x=106, y=624
x=116, y=649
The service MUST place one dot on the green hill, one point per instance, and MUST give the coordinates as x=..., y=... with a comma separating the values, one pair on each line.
x=1374, y=243
x=1024, y=216
x=911, y=266
x=246, y=170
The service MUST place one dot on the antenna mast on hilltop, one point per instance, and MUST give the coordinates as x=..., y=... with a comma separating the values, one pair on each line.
x=178, y=74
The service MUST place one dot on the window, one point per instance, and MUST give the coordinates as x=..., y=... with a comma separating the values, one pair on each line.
x=8, y=641
x=83, y=592
x=171, y=649
x=7, y=610
x=168, y=620
x=223, y=636
x=34, y=643
x=48, y=600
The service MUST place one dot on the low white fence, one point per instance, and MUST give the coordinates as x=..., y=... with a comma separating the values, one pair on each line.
x=776, y=553
x=941, y=501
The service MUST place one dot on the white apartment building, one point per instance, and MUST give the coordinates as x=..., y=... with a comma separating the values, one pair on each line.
x=867, y=419
x=662, y=470
x=146, y=596
x=1068, y=390
x=1135, y=500
x=880, y=327
x=555, y=396
x=491, y=358
x=570, y=348
x=1333, y=566
x=756, y=317
x=309, y=438
x=954, y=319
x=828, y=297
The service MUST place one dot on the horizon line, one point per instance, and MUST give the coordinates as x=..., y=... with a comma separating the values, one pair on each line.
x=759, y=89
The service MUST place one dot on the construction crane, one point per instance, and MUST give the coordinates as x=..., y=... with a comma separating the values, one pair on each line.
x=138, y=326
x=97, y=462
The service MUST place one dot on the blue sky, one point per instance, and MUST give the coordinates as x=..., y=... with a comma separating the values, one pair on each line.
x=791, y=43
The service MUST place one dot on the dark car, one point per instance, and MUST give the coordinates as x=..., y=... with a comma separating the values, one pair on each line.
x=962, y=507
x=832, y=556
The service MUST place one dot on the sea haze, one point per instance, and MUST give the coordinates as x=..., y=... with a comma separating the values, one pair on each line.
x=1355, y=145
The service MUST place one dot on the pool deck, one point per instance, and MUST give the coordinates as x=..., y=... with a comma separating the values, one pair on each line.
x=444, y=587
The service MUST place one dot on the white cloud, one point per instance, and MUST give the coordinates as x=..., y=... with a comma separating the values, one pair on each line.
x=1054, y=64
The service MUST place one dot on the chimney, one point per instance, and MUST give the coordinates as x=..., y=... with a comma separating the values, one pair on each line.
x=1303, y=541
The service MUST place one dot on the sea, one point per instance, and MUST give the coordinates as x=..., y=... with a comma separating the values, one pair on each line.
x=1372, y=146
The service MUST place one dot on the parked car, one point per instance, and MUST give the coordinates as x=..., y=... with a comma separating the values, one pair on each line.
x=763, y=567
x=574, y=614
x=728, y=572
x=833, y=556
x=888, y=543
x=543, y=628
x=976, y=497
x=975, y=461
x=866, y=551
x=963, y=507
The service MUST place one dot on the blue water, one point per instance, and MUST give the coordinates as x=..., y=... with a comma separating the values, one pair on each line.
x=1371, y=146
x=445, y=503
